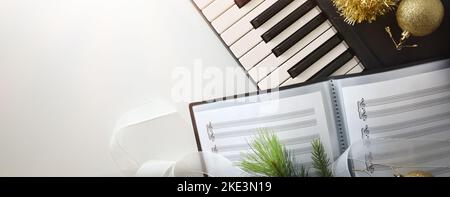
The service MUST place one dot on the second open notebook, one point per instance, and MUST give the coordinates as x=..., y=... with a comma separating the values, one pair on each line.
x=407, y=103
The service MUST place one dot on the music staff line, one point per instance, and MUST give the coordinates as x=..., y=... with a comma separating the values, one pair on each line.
x=287, y=142
x=263, y=119
x=409, y=123
x=275, y=129
x=419, y=150
x=297, y=152
x=433, y=156
x=407, y=96
x=407, y=108
x=423, y=132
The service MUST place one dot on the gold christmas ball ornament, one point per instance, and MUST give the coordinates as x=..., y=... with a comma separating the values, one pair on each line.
x=420, y=17
x=418, y=173
x=417, y=18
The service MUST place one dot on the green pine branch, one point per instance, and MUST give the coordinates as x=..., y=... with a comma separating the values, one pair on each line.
x=303, y=172
x=270, y=158
x=320, y=159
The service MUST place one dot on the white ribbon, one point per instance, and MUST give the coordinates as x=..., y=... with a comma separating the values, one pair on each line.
x=193, y=164
x=196, y=164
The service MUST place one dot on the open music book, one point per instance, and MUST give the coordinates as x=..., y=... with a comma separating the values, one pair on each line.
x=407, y=103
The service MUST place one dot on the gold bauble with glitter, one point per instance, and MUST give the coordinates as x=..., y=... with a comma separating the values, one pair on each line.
x=418, y=173
x=420, y=17
x=417, y=18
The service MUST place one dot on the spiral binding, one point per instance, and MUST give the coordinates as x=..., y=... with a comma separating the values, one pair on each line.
x=339, y=125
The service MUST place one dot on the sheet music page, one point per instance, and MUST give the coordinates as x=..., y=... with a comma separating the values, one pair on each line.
x=226, y=127
x=410, y=105
x=407, y=107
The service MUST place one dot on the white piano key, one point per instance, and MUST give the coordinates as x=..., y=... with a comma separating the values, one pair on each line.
x=201, y=4
x=281, y=73
x=233, y=15
x=264, y=49
x=270, y=82
x=254, y=55
x=271, y=62
x=357, y=69
x=242, y=46
x=245, y=43
x=243, y=26
x=346, y=67
x=318, y=65
x=216, y=8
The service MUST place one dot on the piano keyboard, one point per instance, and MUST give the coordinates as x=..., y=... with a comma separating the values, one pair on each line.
x=280, y=42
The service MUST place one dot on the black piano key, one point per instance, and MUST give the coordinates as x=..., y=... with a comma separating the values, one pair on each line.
x=241, y=3
x=288, y=20
x=334, y=65
x=270, y=12
x=298, y=35
x=298, y=68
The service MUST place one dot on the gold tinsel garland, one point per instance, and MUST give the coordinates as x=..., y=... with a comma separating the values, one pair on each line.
x=357, y=11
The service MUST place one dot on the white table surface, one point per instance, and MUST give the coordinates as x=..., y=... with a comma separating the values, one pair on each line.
x=70, y=68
